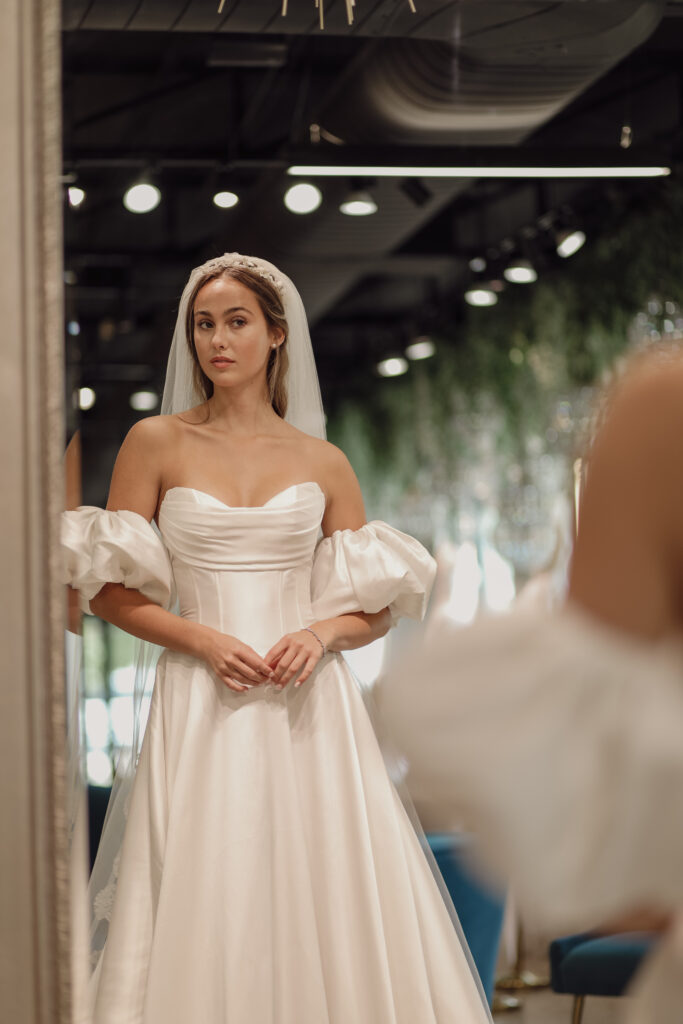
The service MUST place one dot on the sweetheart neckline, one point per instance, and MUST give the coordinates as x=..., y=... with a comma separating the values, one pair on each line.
x=241, y=508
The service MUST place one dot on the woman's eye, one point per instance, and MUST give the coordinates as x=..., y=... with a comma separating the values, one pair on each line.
x=204, y=323
x=239, y=322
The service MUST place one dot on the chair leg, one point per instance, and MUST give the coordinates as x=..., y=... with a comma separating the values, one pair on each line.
x=577, y=1009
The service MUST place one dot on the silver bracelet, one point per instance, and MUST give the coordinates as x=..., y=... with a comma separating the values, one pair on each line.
x=318, y=639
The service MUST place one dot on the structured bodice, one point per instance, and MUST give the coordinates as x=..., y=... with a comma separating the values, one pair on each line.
x=203, y=532
x=244, y=571
x=255, y=572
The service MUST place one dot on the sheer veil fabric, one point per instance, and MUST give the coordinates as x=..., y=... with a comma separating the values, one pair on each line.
x=305, y=411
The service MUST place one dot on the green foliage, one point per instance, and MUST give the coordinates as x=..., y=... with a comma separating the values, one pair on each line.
x=512, y=363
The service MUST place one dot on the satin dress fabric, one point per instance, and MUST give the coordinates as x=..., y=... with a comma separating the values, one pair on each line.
x=269, y=872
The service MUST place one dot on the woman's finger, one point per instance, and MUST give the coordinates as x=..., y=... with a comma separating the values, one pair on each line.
x=254, y=661
x=283, y=665
x=233, y=684
x=294, y=668
x=250, y=675
x=308, y=668
x=276, y=651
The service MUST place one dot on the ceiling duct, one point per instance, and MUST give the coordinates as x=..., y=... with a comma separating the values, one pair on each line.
x=434, y=19
x=492, y=79
x=455, y=73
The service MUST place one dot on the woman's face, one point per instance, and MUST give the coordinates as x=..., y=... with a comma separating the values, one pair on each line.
x=229, y=326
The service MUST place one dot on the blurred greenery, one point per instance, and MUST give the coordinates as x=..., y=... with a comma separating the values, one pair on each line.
x=506, y=367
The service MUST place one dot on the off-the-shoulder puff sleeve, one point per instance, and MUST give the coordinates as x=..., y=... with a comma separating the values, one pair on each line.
x=100, y=546
x=369, y=569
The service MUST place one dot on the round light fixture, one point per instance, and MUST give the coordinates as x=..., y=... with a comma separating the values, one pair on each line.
x=481, y=297
x=226, y=200
x=569, y=242
x=76, y=195
x=144, y=401
x=73, y=328
x=142, y=198
x=392, y=367
x=477, y=264
x=303, y=198
x=86, y=398
x=358, y=204
x=520, y=271
x=421, y=348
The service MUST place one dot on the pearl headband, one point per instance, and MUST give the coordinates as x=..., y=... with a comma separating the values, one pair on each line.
x=235, y=259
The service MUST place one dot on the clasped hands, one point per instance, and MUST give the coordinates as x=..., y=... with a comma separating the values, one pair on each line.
x=238, y=665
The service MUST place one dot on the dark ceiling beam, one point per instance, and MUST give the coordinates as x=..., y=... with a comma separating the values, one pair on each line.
x=386, y=156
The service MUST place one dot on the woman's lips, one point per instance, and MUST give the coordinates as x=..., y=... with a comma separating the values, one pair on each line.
x=222, y=362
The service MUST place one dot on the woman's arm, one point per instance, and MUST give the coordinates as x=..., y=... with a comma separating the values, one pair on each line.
x=297, y=654
x=135, y=485
x=345, y=510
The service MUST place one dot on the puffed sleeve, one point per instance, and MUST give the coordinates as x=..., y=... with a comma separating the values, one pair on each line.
x=371, y=568
x=101, y=546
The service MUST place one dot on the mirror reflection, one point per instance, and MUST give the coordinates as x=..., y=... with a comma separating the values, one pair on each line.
x=468, y=216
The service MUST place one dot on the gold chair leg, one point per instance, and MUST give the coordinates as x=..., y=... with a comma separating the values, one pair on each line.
x=577, y=1011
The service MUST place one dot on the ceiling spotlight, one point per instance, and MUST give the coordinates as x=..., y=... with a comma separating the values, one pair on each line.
x=421, y=348
x=142, y=198
x=144, y=401
x=569, y=242
x=303, y=198
x=481, y=297
x=76, y=195
x=226, y=200
x=520, y=271
x=86, y=398
x=358, y=204
x=73, y=328
x=392, y=367
x=477, y=264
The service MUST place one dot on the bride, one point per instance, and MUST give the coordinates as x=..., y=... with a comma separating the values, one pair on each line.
x=268, y=870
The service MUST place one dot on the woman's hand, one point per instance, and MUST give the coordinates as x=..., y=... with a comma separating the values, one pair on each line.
x=296, y=654
x=236, y=664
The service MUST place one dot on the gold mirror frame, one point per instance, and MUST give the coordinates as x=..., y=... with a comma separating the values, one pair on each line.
x=35, y=939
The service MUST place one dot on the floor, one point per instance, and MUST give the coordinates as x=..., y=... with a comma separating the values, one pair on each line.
x=545, y=1007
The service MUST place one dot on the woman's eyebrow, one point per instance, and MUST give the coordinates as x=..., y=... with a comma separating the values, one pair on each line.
x=233, y=309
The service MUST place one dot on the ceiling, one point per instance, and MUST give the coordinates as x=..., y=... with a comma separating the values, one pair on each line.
x=169, y=88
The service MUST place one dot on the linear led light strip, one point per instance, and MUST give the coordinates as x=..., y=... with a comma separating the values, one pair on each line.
x=323, y=171
x=350, y=4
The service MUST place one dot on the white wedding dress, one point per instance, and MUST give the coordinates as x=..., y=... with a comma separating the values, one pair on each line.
x=269, y=872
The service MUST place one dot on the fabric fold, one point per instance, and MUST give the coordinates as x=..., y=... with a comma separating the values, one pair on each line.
x=374, y=567
x=101, y=546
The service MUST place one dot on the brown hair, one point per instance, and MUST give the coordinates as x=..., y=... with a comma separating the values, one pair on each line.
x=273, y=309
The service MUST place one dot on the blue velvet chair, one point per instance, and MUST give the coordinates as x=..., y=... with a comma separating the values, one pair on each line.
x=480, y=910
x=596, y=965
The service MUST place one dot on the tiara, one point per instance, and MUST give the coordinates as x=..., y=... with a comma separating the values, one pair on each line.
x=350, y=4
x=235, y=259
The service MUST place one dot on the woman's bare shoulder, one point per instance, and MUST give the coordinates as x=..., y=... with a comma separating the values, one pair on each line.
x=328, y=457
x=156, y=430
x=152, y=431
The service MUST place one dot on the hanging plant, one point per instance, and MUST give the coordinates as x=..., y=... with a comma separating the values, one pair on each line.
x=523, y=370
